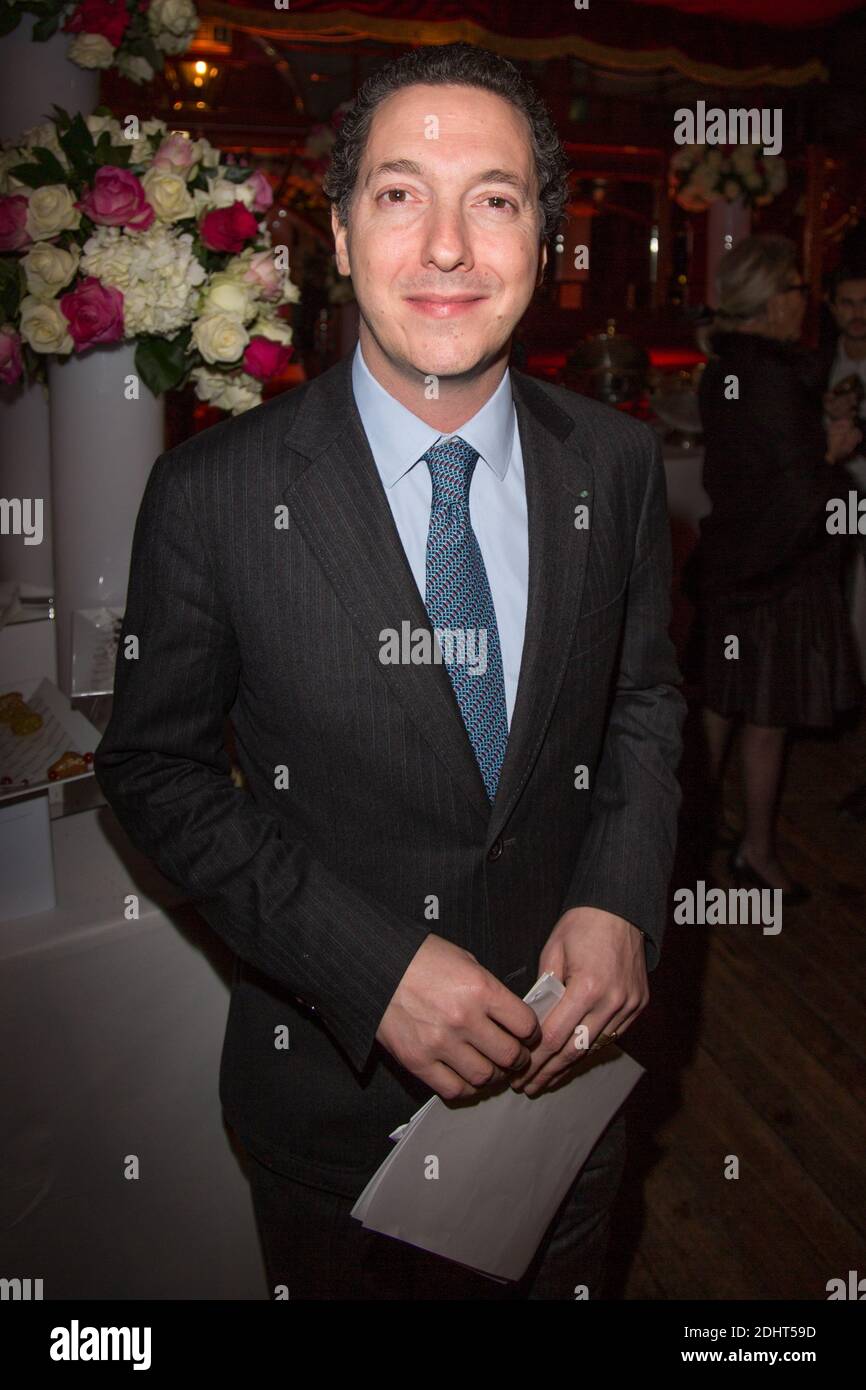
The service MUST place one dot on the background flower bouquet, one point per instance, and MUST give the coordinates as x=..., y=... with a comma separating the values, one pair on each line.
x=699, y=175
x=132, y=36
x=111, y=232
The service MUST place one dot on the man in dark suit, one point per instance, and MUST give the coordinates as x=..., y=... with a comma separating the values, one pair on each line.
x=433, y=597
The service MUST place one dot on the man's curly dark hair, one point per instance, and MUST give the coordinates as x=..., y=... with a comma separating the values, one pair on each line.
x=460, y=64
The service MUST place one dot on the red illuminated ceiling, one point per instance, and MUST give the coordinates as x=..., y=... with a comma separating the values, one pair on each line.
x=784, y=13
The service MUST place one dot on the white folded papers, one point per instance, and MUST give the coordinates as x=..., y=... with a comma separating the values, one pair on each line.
x=480, y=1183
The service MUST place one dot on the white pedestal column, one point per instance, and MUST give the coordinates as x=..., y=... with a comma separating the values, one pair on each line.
x=38, y=75
x=102, y=449
x=35, y=76
x=25, y=471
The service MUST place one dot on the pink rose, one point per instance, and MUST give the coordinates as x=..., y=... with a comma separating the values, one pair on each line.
x=11, y=365
x=106, y=17
x=263, y=273
x=263, y=358
x=226, y=229
x=13, y=222
x=264, y=193
x=117, y=199
x=177, y=153
x=94, y=312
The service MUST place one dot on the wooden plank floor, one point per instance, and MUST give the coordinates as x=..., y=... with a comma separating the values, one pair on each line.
x=755, y=1046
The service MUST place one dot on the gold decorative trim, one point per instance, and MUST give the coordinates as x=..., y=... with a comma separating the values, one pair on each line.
x=342, y=26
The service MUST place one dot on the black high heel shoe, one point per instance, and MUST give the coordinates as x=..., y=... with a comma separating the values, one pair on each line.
x=746, y=877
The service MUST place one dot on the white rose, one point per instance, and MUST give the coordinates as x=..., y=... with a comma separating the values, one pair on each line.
x=235, y=392
x=45, y=136
x=220, y=337
x=43, y=326
x=90, y=51
x=168, y=195
x=48, y=269
x=177, y=16
x=221, y=193
x=51, y=210
x=98, y=125
x=150, y=136
x=225, y=294
x=276, y=329
x=210, y=156
x=137, y=69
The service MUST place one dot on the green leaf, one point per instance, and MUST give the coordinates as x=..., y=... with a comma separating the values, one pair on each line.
x=161, y=364
x=145, y=47
x=32, y=174
x=50, y=164
x=116, y=155
x=77, y=144
x=234, y=173
x=44, y=28
x=10, y=287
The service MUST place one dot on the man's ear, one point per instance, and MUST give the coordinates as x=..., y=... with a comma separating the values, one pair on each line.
x=542, y=262
x=340, y=234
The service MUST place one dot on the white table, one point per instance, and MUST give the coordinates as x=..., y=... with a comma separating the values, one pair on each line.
x=111, y=1033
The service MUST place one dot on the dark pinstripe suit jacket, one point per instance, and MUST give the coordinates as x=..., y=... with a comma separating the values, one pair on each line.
x=265, y=565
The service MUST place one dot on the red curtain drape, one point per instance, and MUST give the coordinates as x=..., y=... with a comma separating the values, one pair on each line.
x=694, y=37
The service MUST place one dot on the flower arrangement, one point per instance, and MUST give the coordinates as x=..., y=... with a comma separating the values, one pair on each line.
x=132, y=36
x=137, y=232
x=699, y=175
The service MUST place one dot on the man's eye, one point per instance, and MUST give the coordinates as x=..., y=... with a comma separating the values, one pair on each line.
x=387, y=193
x=498, y=198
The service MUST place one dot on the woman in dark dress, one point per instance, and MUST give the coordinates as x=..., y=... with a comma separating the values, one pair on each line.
x=777, y=646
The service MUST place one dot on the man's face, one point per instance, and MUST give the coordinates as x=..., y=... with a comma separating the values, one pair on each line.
x=849, y=309
x=443, y=249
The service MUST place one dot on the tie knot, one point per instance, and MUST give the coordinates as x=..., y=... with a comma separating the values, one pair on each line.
x=451, y=465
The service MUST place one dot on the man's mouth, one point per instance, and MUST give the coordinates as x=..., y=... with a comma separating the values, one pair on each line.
x=442, y=306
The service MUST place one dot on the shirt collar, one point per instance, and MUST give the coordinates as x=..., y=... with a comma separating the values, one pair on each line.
x=398, y=438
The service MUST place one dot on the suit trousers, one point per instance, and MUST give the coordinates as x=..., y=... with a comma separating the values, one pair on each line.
x=314, y=1249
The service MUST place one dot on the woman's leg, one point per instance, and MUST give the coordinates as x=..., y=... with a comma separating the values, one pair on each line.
x=763, y=756
x=717, y=731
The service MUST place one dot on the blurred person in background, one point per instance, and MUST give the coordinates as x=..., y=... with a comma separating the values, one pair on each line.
x=845, y=372
x=765, y=570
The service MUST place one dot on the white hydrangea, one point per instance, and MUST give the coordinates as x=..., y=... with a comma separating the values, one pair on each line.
x=157, y=272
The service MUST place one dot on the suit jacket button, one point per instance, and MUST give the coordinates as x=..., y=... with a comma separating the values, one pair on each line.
x=495, y=850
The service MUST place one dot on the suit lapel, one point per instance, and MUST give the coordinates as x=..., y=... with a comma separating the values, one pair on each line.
x=340, y=506
x=558, y=479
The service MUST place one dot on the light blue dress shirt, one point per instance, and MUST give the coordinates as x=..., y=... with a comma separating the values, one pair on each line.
x=497, y=497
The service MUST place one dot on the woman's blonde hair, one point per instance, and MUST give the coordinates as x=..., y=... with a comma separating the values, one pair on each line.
x=746, y=280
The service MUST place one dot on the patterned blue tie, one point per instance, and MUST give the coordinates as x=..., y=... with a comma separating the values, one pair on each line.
x=460, y=607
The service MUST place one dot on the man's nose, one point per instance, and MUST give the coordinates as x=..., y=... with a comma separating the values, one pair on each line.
x=446, y=238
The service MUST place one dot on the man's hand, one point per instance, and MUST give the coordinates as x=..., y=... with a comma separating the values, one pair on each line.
x=843, y=437
x=600, y=960
x=453, y=1024
x=840, y=405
